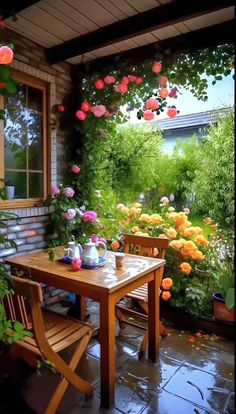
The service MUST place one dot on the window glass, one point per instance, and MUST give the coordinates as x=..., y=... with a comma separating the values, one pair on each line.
x=23, y=141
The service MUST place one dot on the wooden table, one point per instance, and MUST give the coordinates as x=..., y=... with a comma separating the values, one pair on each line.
x=107, y=286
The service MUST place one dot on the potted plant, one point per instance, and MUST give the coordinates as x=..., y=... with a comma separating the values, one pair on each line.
x=10, y=190
x=223, y=300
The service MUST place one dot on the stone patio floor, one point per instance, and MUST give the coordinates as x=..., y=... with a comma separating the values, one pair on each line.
x=189, y=378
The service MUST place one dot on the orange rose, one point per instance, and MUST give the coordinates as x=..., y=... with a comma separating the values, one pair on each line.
x=197, y=255
x=166, y=295
x=201, y=240
x=135, y=229
x=144, y=217
x=171, y=233
x=185, y=268
x=208, y=221
x=176, y=244
x=115, y=245
x=167, y=283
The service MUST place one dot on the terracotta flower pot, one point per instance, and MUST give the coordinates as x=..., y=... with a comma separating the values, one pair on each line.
x=221, y=312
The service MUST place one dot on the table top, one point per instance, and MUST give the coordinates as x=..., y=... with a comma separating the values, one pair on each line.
x=106, y=277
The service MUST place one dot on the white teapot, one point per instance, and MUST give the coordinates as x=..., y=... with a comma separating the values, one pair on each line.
x=74, y=251
x=90, y=256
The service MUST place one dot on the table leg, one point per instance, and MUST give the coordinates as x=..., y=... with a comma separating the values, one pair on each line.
x=107, y=343
x=154, y=316
x=78, y=310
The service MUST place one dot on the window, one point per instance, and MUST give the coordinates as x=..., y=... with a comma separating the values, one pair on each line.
x=24, y=143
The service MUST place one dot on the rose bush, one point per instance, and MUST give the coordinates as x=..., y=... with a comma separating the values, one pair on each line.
x=190, y=250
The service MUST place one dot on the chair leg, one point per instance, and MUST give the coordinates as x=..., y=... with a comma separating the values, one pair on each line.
x=62, y=386
x=144, y=343
x=121, y=318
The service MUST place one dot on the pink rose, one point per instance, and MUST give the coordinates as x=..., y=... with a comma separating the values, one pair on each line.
x=95, y=238
x=85, y=106
x=102, y=239
x=132, y=78
x=164, y=93
x=89, y=216
x=109, y=79
x=61, y=108
x=70, y=214
x=148, y=115
x=163, y=80
x=98, y=110
x=75, y=169
x=173, y=93
x=81, y=115
x=157, y=67
x=123, y=88
x=125, y=80
x=139, y=80
x=186, y=210
x=76, y=264
x=164, y=201
x=99, y=84
x=69, y=192
x=152, y=103
x=6, y=55
x=120, y=206
x=55, y=190
x=171, y=112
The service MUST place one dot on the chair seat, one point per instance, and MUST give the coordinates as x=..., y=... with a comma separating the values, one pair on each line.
x=60, y=332
x=141, y=293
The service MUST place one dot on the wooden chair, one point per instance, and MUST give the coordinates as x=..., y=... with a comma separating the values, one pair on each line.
x=51, y=334
x=144, y=246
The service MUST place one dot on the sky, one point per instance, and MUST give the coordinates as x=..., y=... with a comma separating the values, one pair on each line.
x=219, y=95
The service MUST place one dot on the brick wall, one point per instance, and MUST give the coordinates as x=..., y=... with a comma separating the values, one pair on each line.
x=30, y=230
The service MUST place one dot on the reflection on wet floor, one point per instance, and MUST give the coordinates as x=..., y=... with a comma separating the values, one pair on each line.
x=194, y=375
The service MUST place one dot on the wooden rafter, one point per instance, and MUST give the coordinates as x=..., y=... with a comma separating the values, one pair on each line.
x=155, y=18
x=10, y=8
x=218, y=34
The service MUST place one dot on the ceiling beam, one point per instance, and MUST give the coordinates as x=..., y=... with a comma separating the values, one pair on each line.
x=212, y=36
x=9, y=8
x=155, y=18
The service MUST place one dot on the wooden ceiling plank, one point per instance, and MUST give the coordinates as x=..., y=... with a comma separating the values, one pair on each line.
x=141, y=5
x=62, y=17
x=10, y=8
x=93, y=11
x=166, y=32
x=200, y=39
x=47, y=22
x=119, y=14
x=125, y=7
x=29, y=27
x=212, y=18
x=145, y=22
x=87, y=24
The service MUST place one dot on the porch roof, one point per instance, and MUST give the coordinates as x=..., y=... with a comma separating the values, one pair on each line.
x=88, y=30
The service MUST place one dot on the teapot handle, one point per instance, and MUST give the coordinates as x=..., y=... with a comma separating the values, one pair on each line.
x=69, y=250
x=101, y=243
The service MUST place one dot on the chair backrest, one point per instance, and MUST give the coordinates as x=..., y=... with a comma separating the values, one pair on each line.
x=24, y=304
x=146, y=245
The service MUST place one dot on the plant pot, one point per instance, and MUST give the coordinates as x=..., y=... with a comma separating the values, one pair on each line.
x=10, y=192
x=221, y=312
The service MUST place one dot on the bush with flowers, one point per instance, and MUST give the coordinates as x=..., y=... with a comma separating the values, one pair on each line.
x=189, y=253
x=68, y=217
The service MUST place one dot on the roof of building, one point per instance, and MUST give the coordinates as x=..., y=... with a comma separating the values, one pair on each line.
x=189, y=120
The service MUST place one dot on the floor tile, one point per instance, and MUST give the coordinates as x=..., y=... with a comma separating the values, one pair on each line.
x=201, y=388
x=166, y=403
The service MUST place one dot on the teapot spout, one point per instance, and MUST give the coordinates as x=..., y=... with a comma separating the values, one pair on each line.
x=80, y=249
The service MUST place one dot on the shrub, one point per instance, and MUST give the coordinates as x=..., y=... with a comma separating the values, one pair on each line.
x=214, y=183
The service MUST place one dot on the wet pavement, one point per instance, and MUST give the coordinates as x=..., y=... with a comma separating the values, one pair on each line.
x=194, y=375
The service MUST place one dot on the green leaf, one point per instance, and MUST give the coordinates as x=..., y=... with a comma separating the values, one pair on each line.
x=229, y=298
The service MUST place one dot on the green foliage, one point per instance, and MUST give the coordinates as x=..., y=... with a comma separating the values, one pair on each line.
x=223, y=272
x=214, y=183
x=132, y=161
x=176, y=173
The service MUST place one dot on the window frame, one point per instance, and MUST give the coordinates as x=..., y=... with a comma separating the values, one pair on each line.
x=44, y=86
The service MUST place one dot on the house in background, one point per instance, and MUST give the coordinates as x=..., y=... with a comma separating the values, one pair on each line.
x=184, y=126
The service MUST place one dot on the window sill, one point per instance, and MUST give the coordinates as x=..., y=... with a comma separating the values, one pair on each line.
x=20, y=203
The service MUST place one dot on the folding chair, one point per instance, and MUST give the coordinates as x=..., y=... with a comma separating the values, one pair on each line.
x=144, y=246
x=51, y=334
